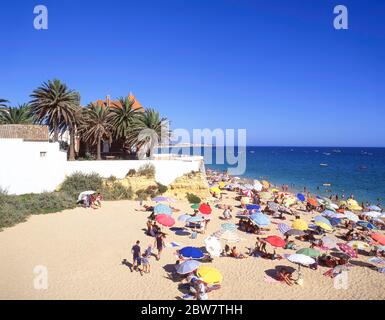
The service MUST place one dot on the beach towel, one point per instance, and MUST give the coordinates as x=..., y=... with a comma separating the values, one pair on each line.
x=376, y=260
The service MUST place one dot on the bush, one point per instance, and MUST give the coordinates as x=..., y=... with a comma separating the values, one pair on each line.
x=162, y=188
x=15, y=209
x=111, y=179
x=79, y=182
x=147, y=193
x=192, y=198
x=131, y=173
x=147, y=170
x=116, y=191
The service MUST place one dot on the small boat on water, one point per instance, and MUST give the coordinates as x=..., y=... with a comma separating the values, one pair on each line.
x=337, y=151
x=323, y=164
x=327, y=184
x=327, y=153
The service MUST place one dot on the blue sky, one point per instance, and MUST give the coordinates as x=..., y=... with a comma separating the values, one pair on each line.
x=277, y=68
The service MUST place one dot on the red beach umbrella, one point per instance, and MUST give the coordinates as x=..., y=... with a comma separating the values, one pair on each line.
x=205, y=209
x=276, y=241
x=348, y=250
x=165, y=220
x=379, y=238
x=313, y=202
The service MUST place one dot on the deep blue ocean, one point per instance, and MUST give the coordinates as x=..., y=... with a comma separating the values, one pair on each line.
x=357, y=171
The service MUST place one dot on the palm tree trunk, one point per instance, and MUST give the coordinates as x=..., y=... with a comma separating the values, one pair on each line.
x=98, y=150
x=55, y=133
x=72, y=145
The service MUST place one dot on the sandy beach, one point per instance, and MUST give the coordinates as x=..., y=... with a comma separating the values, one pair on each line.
x=83, y=250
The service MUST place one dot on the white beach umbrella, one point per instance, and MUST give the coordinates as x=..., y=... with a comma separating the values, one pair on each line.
x=84, y=193
x=374, y=208
x=302, y=259
x=213, y=246
x=372, y=214
x=227, y=235
x=351, y=216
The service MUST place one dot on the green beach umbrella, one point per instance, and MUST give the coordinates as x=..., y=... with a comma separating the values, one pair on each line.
x=195, y=206
x=310, y=252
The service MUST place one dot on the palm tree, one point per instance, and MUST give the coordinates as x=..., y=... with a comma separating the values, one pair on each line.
x=3, y=102
x=148, y=130
x=122, y=117
x=56, y=105
x=17, y=115
x=95, y=126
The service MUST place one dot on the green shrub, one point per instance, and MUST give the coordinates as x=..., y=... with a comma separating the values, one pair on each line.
x=15, y=209
x=111, y=179
x=149, y=192
x=131, y=173
x=192, y=198
x=79, y=182
x=147, y=170
x=116, y=191
x=162, y=188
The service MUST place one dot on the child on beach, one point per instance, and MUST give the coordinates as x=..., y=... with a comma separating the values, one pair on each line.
x=135, y=250
x=145, y=263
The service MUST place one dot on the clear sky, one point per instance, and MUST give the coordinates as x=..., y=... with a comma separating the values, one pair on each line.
x=275, y=67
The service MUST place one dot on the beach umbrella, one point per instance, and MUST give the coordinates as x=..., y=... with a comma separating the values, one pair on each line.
x=335, y=221
x=228, y=226
x=209, y=275
x=289, y=201
x=329, y=242
x=162, y=209
x=301, y=197
x=283, y=228
x=188, y=266
x=274, y=190
x=163, y=199
x=351, y=216
x=358, y=245
x=191, y=252
x=276, y=241
x=265, y=184
x=294, y=232
x=205, y=208
x=328, y=213
x=348, y=250
x=257, y=186
x=324, y=226
x=85, y=193
x=213, y=246
x=321, y=219
x=265, y=195
x=227, y=235
x=215, y=190
x=312, y=202
x=221, y=184
x=273, y=206
x=248, y=186
x=366, y=224
x=197, y=218
x=245, y=200
x=165, y=220
x=329, y=207
x=378, y=237
x=260, y=219
x=253, y=207
x=372, y=214
x=184, y=217
x=195, y=206
x=300, y=259
x=374, y=208
x=353, y=205
x=310, y=252
x=247, y=193
x=299, y=224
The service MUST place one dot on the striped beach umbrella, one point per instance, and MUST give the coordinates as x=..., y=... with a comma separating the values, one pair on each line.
x=283, y=228
x=188, y=266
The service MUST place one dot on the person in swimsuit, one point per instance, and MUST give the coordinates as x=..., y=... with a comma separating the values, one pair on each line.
x=159, y=243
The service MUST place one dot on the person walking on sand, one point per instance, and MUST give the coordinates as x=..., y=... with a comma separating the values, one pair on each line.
x=145, y=263
x=136, y=255
x=159, y=243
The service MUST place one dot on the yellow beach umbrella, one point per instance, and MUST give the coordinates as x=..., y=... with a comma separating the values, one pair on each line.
x=353, y=205
x=221, y=184
x=358, y=244
x=274, y=190
x=299, y=224
x=342, y=203
x=323, y=225
x=215, y=190
x=289, y=201
x=265, y=195
x=245, y=200
x=209, y=275
x=266, y=184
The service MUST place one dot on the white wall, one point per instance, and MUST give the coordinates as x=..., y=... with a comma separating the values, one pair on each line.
x=23, y=170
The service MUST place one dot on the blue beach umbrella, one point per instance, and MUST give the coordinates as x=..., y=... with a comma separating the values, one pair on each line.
x=252, y=207
x=228, y=226
x=322, y=219
x=188, y=266
x=328, y=213
x=191, y=252
x=335, y=221
x=260, y=219
x=184, y=217
x=197, y=218
x=162, y=208
x=301, y=197
x=283, y=228
x=374, y=208
x=366, y=224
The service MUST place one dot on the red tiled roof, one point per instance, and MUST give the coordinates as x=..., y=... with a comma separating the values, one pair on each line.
x=116, y=103
x=28, y=132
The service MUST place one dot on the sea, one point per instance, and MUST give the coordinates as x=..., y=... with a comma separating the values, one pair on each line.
x=323, y=171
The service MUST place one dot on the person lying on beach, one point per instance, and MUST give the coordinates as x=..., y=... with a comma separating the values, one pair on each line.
x=226, y=251
x=286, y=276
x=275, y=256
x=235, y=254
x=146, y=208
x=290, y=245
